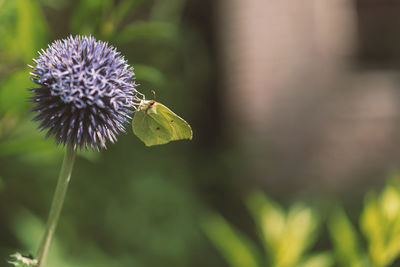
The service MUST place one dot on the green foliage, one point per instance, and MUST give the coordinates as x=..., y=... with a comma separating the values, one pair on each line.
x=161, y=31
x=29, y=229
x=31, y=29
x=237, y=250
x=149, y=74
x=287, y=236
x=345, y=240
x=285, y=242
x=380, y=223
x=81, y=23
x=12, y=90
x=23, y=30
x=318, y=260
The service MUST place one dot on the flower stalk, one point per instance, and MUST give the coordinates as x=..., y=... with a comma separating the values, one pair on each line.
x=57, y=204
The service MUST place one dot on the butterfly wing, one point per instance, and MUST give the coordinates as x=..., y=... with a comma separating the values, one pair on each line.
x=149, y=130
x=177, y=127
x=156, y=125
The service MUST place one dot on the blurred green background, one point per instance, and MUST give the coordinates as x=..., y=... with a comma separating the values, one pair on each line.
x=128, y=205
x=208, y=202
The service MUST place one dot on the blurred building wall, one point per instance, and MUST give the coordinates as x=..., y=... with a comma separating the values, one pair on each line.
x=294, y=90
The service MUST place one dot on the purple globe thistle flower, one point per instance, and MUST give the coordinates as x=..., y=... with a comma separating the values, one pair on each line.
x=86, y=92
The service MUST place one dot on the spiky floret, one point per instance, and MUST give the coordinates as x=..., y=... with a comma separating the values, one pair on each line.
x=86, y=92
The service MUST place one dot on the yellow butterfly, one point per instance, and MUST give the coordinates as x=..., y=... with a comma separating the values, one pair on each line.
x=155, y=124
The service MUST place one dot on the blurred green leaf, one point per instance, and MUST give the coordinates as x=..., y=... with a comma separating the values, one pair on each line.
x=380, y=223
x=24, y=139
x=8, y=19
x=123, y=8
x=92, y=156
x=54, y=4
x=14, y=92
x=154, y=215
x=236, y=249
x=345, y=240
x=285, y=241
x=21, y=146
x=270, y=219
x=296, y=240
x=373, y=226
x=82, y=23
x=31, y=29
x=2, y=184
x=168, y=10
x=390, y=202
x=29, y=229
x=319, y=260
x=149, y=74
x=150, y=30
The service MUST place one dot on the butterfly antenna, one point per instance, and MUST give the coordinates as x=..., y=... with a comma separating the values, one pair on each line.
x=142, y=96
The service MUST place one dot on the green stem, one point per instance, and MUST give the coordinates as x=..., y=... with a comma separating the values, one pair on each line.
x=56, y=205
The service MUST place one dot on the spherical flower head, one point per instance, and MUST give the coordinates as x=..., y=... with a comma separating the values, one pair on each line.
x=86, y=92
